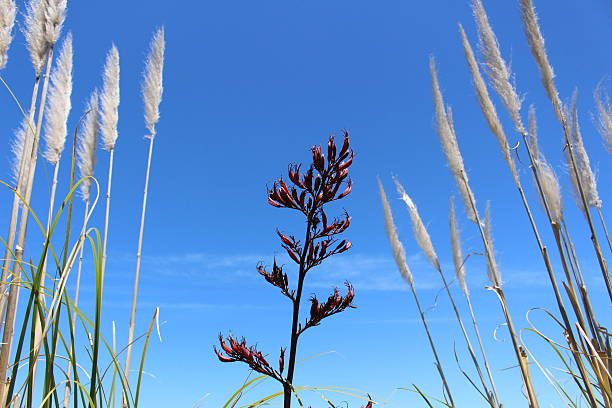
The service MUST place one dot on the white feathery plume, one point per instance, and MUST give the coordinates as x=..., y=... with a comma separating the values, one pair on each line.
x=486, y=105
x=86, y=151
x=548, y=180
x=536, y=44
x=496, y=68
x=397, y=249
x=55, y=17
x=109, y=100
x=448, y=140
x=17, y=148
x=492, y=269
x=604, y=114
x=418, y=227
x=456, y=248
x=35, y=33
x=8, y=9
x=58, y=104
x=583, y=164
x=152, y=87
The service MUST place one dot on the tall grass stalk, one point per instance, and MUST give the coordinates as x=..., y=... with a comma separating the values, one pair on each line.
x=152, y=94
x=109, y=115
x=399, y=255
x=538, y=50
x=445, y=132
x=423, y=239
x=28, y=181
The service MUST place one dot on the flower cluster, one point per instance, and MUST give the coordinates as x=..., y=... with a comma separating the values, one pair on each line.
x=277, y=278
x=334, y=304
x=239, y=351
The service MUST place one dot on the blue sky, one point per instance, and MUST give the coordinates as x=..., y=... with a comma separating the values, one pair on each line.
x=249, y=87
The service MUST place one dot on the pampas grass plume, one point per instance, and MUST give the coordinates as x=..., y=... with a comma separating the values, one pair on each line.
x=492, y=269
x=583, y=164
x=8, y=9
x=152, y=87
x=86, y=151
x=17, y=148
x=548, y=180
x=456, y=248
x=109, y=100
x=418, y=227
x=397, y=249
x=55, y=17
x=604, y=114
x=58, y=104
x=35, y=33
x=448, y=140
x=486, y=105
x=496, y=68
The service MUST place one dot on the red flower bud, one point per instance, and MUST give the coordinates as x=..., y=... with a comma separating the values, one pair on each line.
x=347, y=191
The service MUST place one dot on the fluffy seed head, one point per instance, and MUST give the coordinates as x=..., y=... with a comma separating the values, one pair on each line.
x=492, y=269
x=496, y=68
x=536, y=44
x=109, y=100
x=448, y=140
x=152, y=87
x=486, y=105
x=397, y=249
x=86, y=150
x=55, y=15
x=586, y=177
x=604, y=114
x=418, y=227
x=58, y=105
x=35, y=33
x=7, y=21
x=551, y=190
x=456, y=248
x=19, y=142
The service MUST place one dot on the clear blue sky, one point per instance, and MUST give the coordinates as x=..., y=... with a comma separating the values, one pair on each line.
x=249, y=87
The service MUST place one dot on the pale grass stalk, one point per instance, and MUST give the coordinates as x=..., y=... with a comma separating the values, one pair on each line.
x=536, y=43
x=109, y=114
x=423, y=239
x=28, y=181
x=460, y=272
x=399, y=255
x=152, y=90
x=461, y=178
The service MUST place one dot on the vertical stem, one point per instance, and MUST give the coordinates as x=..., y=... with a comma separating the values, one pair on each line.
x=138, y=260
x=482, y=349
x=107, y=216
x=605, y=228
x=520, y=353
x=433, y=348
x=288, y=385
x=74, y=314
x=23, y=160
x=467, y=340
x=11, y=308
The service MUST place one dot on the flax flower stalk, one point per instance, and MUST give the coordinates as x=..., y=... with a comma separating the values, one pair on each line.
x=152, y=90
x=536, y=43
x=86, y=154
x=399, y=255
x=462, y=179
x=459, y=264
x=423, y=239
